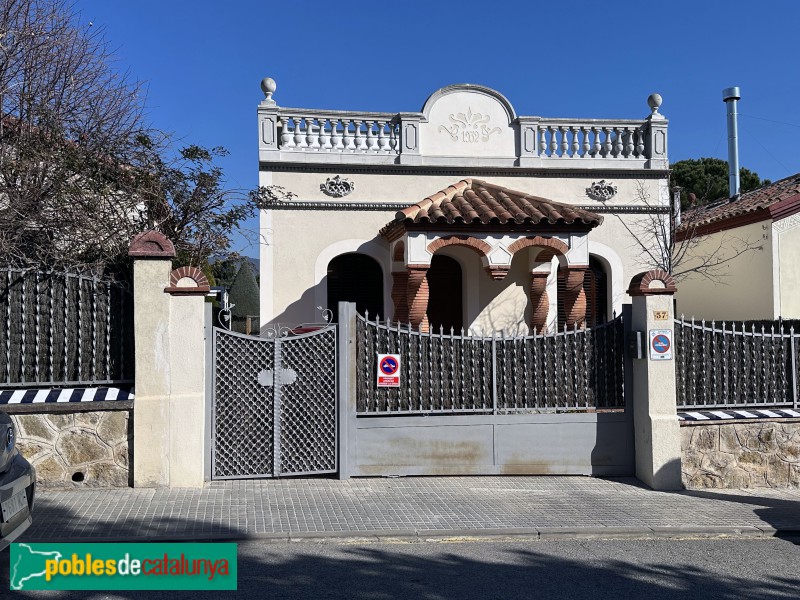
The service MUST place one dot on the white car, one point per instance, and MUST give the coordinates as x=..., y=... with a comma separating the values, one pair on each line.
x=17, y=485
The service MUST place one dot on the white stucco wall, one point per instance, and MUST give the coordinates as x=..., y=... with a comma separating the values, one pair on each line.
x=786, y=233
x=745, y=287
x=303, y=243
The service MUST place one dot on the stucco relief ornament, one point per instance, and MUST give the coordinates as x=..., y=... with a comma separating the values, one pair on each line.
x=470, y=128
x=601, y=190
x=337, y=187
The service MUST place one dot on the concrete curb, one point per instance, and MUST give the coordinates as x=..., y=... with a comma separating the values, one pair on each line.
x=456, y=535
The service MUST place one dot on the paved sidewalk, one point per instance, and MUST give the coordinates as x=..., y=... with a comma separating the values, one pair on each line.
x=411, y=507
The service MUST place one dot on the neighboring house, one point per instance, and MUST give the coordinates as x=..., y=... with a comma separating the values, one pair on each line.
x=760, y=283
x=462, y=215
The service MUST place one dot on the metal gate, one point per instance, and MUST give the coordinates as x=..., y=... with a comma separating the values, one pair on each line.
x=274, y=404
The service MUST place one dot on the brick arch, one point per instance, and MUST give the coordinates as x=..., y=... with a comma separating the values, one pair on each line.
x=465, y=241
x=640, y=284
x=556, y=246
x=200, y=286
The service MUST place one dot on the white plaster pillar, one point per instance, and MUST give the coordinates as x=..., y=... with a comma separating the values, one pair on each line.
x=657, y=436
x=170, y=405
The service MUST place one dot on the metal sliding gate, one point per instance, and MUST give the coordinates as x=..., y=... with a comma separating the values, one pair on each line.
x=274, y=404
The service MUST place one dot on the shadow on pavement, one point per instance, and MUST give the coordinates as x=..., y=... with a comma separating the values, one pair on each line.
x=781, y=514
x=443, y=571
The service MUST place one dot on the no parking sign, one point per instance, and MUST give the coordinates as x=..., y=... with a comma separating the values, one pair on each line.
x=388, y=370
x=660, y=344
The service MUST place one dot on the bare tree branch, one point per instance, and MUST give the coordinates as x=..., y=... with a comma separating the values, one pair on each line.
x=664, y=243
x=81, y=171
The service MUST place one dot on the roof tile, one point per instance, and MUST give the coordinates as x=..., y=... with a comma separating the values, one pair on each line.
x=748, y=202
x=476, y=202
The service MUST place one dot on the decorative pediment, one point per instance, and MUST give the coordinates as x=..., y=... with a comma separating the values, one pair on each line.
x=468, y=120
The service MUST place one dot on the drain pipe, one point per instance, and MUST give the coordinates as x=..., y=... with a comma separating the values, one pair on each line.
x=731, y=96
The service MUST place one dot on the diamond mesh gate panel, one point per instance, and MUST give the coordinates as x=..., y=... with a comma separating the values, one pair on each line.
x=308, y=405
x=298, y=383
x=243, y=409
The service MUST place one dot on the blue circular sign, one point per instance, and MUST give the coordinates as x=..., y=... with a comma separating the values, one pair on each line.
x=661, y=343
x=389, y=365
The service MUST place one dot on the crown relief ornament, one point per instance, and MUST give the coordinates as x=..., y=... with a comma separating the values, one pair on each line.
x=601, y=190
x=337, y=187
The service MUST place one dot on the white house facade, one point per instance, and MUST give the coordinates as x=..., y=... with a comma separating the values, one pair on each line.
x=464, y=215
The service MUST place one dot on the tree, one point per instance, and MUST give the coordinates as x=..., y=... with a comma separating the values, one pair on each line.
x=665, y=242
x=244, y=292
x=67, y=123
x=81, y=171
x=244, y=298
x=707, y=180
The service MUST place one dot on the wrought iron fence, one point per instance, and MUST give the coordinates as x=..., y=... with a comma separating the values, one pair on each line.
x=736, y=364
x=64, y=328
x=579, y=369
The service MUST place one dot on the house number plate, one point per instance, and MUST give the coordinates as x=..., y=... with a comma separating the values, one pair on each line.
x=661, y=315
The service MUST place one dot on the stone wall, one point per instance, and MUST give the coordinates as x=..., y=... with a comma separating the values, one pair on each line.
x=744, y=454
x=77, y=449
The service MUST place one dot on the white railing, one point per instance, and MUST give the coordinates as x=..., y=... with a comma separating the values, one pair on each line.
x=560, y=138
x=364, y=133
x=350, y=137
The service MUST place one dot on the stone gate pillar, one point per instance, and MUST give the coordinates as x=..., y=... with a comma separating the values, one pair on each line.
x=657, y=437
x=170, y=406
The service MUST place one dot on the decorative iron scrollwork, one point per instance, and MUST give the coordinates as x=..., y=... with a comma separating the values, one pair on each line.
x=601, y=190
x=337, y=187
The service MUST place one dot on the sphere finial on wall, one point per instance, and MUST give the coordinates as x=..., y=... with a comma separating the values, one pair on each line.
x=268, y=86
x=654, y=102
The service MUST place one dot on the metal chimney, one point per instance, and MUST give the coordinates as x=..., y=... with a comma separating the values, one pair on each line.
x=731, y=96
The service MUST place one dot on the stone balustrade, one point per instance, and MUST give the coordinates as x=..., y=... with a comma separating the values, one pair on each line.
x=468, y=130
x=596, y=139
x=344, y=132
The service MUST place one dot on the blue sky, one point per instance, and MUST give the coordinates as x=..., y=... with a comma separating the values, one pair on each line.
x=203, y=62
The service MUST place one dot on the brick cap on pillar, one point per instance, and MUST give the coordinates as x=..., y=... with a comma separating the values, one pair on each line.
x=641, y=284
x=151, y=244
x=179, y=278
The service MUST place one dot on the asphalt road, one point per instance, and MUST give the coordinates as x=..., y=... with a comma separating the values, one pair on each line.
x=485, y=569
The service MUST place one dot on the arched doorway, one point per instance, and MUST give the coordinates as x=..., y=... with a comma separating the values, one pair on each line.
x=358, y=278
x=445, y=294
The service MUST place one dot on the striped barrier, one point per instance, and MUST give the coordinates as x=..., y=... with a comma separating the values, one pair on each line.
x=48, y=395
x=722, y=415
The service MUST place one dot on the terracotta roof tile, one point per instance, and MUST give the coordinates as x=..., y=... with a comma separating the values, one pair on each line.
x=476, y=202
x=748, y=202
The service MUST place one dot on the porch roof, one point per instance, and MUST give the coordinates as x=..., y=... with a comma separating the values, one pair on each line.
x=476, y=204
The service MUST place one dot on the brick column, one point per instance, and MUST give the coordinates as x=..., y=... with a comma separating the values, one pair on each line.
x=400, y=296
x=417, y=296
x=540, y=303
x=574, y=296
